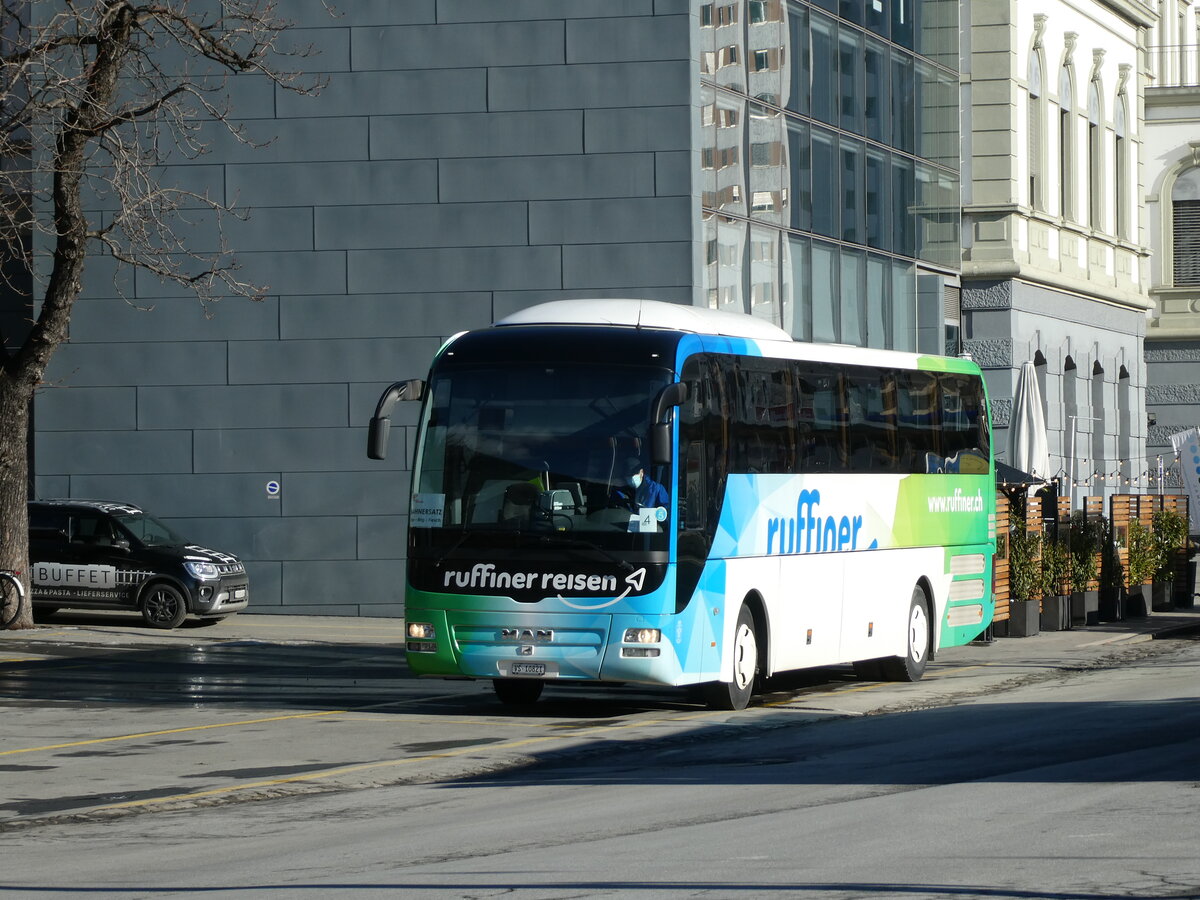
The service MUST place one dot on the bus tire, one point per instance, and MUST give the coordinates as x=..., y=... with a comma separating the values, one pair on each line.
x=517, y=691
x=868, y=670
x=911, y=666
x=736, y=693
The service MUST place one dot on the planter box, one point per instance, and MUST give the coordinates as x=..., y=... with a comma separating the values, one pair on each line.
x=1056, y=613
x=1186, y=598
x=1085, y=608
x=1137, y=601
x=1023, y=618
x=1162, y=596
x=1112, y=604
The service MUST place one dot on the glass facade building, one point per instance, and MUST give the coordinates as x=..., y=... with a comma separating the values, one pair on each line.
x=830, y=167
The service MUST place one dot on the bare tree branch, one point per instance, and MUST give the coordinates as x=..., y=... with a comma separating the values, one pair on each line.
x=97, y=98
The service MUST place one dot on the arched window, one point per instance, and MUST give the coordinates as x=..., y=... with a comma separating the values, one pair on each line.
x=1121, y=168
x=1185, y=228
x=1066, y=140
x=1099, y=458
x=1095, y=160
x=1070, y=392
x=1039, y=370
x=1037, y=119
x=1124, y=424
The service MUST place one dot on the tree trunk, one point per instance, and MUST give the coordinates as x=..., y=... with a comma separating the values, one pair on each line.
x=14, y=481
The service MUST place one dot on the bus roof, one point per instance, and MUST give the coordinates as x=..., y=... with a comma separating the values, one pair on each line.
x=647, y=314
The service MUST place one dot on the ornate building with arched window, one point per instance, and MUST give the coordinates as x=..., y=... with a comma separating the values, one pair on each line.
x=1054, y=265
x=1172, y=206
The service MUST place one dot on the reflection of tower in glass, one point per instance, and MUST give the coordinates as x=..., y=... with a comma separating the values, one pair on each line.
x=765, y=36
x=787, y=288
x=724, y=191
x=722, y=122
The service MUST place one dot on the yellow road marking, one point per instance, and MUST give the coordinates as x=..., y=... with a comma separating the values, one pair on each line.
x=943, y=672
x=382, y=764
x=146, y=734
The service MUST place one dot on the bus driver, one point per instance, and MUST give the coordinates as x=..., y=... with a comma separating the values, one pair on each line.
x=640, y=491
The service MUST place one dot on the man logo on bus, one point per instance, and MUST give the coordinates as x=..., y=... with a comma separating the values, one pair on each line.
x=809, y=532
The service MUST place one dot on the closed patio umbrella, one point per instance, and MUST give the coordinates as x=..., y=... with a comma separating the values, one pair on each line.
x=1029, y=448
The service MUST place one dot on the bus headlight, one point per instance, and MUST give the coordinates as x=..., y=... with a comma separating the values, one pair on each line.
x=421, y=638
x=642, y=636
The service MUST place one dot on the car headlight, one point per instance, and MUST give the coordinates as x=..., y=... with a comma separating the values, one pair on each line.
x=204, y=571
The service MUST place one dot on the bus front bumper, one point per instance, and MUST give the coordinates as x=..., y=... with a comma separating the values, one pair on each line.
x=554, y=646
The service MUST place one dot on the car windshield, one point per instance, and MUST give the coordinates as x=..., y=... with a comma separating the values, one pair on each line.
x=149, y=530
x=540, y=447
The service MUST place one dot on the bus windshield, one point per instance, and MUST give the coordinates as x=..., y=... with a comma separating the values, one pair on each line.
x=540, y=447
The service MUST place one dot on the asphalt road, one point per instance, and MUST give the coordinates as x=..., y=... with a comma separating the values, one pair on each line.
x=1060, y=766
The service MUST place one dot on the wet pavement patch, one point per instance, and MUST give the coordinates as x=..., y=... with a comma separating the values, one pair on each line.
x=26, y=768
x=39, y=806
x=273, y=771
x=435, y=746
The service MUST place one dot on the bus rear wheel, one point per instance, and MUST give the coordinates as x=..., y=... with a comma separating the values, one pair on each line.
x=517, y=691
x=911, y=666
x=736, y=693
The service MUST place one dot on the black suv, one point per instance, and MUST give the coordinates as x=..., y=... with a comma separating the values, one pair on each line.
x=93, y=554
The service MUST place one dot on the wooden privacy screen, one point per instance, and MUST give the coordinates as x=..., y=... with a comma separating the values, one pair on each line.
x=1000, y=560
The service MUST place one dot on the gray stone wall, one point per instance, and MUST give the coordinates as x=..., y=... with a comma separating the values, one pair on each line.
x=1008, y=322
x=1172, y=396
x=467, y=158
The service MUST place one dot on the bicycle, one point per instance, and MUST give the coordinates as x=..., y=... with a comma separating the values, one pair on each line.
x=11, y=593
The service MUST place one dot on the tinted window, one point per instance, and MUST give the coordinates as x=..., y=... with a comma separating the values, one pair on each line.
x=47, y=524
x=751, y=415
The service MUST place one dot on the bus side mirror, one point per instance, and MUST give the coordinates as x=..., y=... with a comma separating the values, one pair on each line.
x=380, y=425
x=660, y=428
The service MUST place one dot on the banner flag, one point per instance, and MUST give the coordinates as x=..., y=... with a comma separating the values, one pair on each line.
x=1187, y=448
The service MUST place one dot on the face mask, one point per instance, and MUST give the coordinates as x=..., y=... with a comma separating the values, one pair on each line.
x=636, y=479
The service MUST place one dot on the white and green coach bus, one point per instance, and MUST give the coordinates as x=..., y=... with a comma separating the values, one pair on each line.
x=796, y=504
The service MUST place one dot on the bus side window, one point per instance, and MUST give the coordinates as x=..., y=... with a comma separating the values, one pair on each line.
x=821, y=418
x=916, y=425
x=692, y=500
x=871, y=423
x=963, y=438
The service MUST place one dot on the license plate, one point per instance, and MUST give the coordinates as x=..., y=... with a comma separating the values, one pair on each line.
x=523, y=668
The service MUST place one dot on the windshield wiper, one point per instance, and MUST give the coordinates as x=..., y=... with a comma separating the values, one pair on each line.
x=583, y=544
x=462, y=539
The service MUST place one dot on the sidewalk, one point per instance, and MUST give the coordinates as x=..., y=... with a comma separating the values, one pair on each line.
x=117, y=629
x=127, y=629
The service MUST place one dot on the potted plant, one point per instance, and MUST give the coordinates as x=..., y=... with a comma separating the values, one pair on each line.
x=1056, y=587
x=1143, y=563
x=1170, y=535
x=1086, y=540
x=1024, y=579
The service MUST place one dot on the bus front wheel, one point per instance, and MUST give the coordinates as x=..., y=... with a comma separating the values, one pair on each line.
x=736, y=693
x=517, y=691
x=911, y=666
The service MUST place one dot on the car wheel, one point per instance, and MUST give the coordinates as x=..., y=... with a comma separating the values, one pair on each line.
x=163, y=606
x=517, y=691
x=911, y=666
x=736, y=693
